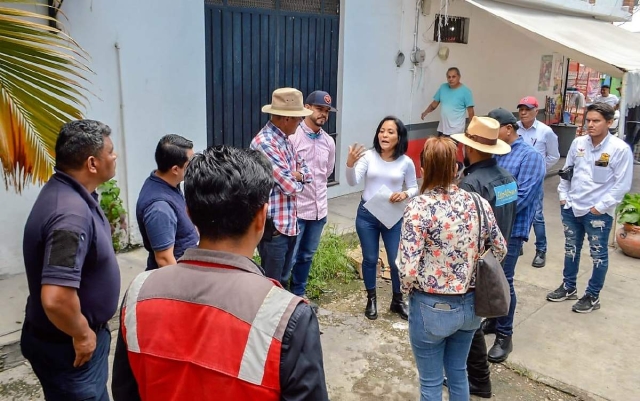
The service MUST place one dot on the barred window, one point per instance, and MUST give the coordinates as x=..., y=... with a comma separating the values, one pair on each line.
x=451, y=29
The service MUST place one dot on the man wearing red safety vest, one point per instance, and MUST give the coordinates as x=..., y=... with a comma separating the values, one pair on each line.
x=213, y=327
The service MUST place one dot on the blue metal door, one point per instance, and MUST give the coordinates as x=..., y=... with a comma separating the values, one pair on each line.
x=256, y=46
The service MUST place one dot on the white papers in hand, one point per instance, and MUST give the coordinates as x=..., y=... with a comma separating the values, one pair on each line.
x=389, y=213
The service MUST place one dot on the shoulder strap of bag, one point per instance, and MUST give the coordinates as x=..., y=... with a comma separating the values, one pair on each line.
x=479, y=210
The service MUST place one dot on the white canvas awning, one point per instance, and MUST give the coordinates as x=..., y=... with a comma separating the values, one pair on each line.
x=600, y=45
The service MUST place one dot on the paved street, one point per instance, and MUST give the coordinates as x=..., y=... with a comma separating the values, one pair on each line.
x=594, y=356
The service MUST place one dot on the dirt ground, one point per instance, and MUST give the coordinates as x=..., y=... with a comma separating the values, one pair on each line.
x=372, y=360
x=364, y=360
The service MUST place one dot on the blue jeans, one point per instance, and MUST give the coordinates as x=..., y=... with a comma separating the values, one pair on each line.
x=52, y=362
x=306, y=246
x=369, y=230
x=538, y=225
x=440, y=339
x=275, y=257
x=597, y=228
x=504, y=324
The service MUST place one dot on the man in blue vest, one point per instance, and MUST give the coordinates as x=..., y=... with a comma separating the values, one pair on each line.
x=161, y=211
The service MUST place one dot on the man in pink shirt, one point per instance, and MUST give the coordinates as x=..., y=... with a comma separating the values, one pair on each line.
x=318, y=149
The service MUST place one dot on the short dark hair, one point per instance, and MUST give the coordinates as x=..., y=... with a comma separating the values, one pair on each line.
x=605, y=86
x=172, y=151
x=403, y=137
x=77, y=141
x=224, y=189
x=456, y=69
x=604, y=109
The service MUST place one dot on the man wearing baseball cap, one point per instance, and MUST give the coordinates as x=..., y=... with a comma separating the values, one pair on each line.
x=527, y=167
x=544, y=140
x=318, y=150
x=499, y=188
x=290, y=173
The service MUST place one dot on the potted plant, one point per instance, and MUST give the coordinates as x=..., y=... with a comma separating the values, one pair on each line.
x=628, y=237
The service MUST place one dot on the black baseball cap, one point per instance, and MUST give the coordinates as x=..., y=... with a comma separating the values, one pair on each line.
x=320, y=98
x=503, y=116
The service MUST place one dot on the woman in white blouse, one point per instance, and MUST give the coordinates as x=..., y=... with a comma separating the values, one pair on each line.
x=384, y=165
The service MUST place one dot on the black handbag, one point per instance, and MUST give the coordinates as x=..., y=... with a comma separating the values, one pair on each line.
x=492, y=295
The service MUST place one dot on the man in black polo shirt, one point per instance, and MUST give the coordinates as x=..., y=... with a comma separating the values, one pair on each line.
x=72, y=271
x=499, y=187
x=167, y=230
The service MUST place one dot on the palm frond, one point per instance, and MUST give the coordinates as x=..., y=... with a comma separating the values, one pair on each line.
x=42, y=86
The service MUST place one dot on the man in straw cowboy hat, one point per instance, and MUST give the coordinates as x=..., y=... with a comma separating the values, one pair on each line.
x=290, y=173
x=527, y=166
x=499, y=188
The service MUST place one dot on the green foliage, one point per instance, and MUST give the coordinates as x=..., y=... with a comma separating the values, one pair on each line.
x=113, y=208
x=629, y=209
x=330, y=263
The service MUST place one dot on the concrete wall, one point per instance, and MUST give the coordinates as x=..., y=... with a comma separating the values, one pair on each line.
x=162, y=61
x=499, y=64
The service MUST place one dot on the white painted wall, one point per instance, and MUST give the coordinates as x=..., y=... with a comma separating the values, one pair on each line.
x=499, y=64
x=163, y=77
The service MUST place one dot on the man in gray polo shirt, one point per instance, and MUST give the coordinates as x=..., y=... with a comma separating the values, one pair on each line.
x=72, y=271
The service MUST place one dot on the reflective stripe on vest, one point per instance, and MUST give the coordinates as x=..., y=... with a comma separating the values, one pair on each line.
x=130, y=318
x=261, y=334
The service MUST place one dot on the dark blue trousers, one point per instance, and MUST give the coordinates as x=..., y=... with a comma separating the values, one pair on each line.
x=52, y=362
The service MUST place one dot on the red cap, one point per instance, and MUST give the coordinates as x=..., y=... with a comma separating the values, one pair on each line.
x=529, y=102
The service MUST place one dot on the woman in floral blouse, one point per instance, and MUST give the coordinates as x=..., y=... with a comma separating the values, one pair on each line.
x=436, y=262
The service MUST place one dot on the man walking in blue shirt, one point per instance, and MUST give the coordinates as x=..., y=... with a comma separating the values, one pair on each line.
x=544, y=140
x=527, y=167
x=602, y=173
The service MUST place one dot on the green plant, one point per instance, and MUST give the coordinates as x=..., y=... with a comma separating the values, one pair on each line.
x=42, y=79
x=330, y=263
x=113, y=208
x=629, y=209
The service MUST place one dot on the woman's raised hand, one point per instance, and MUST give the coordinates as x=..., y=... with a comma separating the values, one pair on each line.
x=356, y=151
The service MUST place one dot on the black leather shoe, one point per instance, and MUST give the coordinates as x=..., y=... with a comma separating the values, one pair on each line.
x=398, y=306
x=501, y=349
x=540, y=260
x=371, y=311
x=521, y=251
x=482, y=391
x=488, y=326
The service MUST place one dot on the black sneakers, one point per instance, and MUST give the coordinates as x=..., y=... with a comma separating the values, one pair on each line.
x=540, y=259
x=562, y=294
x=588, y=303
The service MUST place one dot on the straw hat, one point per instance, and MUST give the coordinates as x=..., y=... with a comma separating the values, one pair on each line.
x=482, y=134
x=287, y=102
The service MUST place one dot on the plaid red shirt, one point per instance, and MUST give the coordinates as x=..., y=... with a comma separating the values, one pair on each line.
x=282, y=202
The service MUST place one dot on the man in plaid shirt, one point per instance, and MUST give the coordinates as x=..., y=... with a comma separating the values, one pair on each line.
x=290, y=173
x=527, y=165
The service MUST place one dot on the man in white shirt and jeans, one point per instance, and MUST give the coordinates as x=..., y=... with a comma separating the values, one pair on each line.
x=545, y=141
x=602, y=173
x=318, y=149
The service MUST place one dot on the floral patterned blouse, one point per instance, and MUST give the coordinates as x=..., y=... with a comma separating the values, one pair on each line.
x=439, y=241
